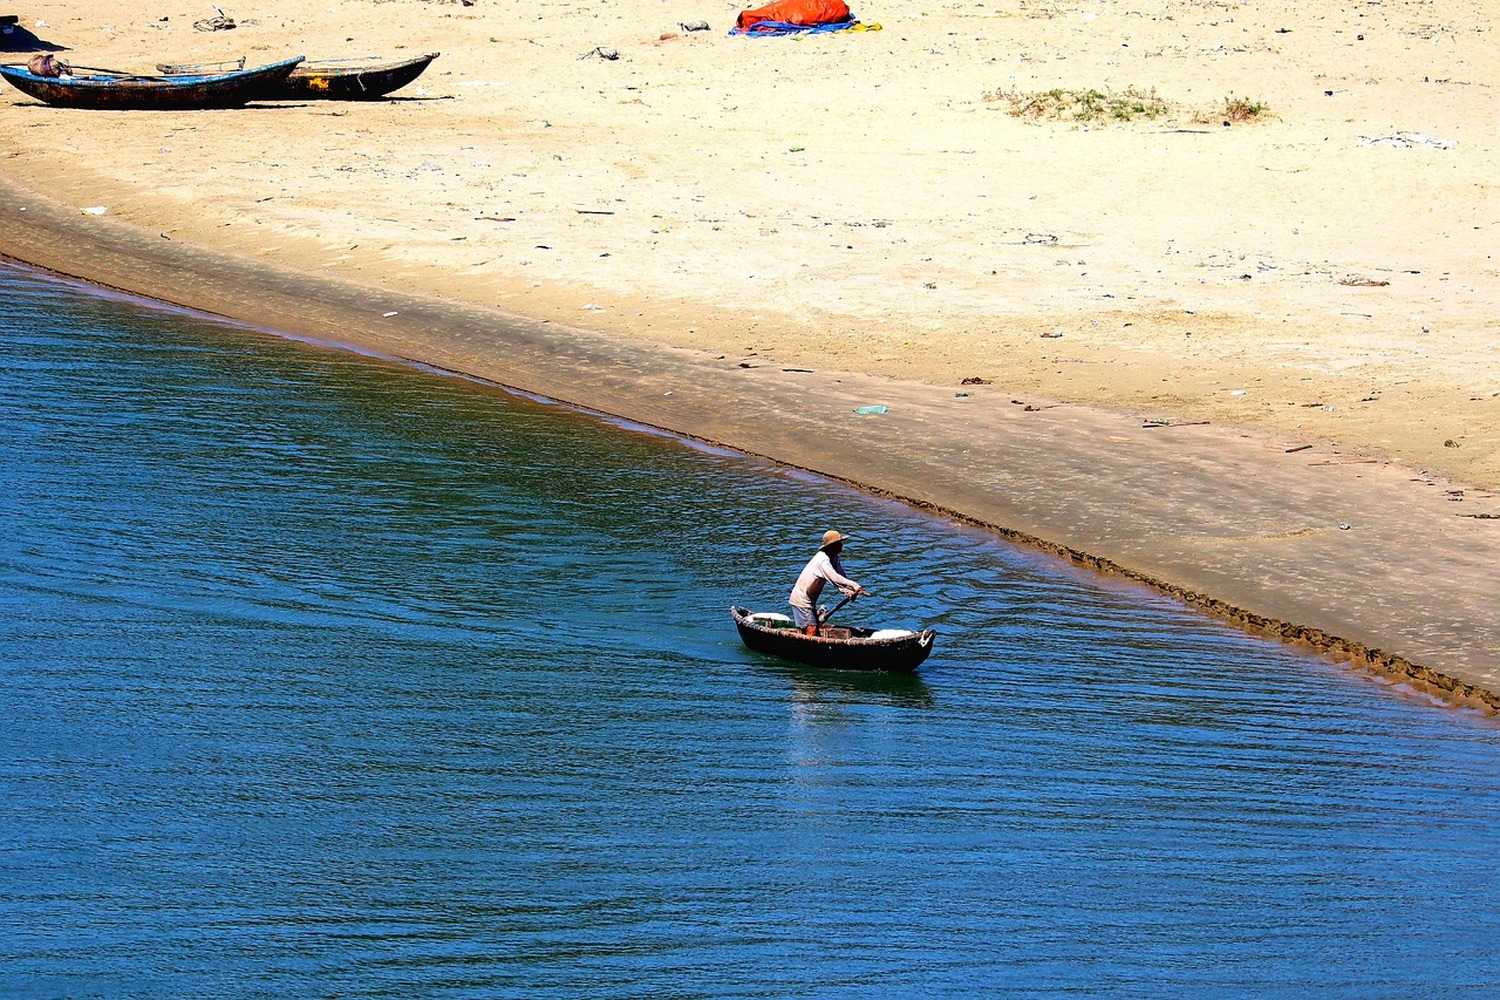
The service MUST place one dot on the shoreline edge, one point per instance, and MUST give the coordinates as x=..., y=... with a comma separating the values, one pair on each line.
x=1008, y=473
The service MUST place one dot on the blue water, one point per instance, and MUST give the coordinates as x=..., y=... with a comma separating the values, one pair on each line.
x=322, y=677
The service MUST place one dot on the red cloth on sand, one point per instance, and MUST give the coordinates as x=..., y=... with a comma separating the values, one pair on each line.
x=797, y=12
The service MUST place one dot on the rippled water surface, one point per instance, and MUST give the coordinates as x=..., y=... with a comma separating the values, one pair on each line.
x=323, y=677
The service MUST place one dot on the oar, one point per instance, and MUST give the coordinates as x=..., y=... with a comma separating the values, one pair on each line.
x=823, y=618
x=100, y=69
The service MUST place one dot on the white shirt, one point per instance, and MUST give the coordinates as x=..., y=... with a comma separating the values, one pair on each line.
x=819, y=568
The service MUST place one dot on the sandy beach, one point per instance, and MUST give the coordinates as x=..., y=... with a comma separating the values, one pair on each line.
x=1250, y=362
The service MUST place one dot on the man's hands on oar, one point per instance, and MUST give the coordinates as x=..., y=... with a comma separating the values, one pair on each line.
x=824, y=617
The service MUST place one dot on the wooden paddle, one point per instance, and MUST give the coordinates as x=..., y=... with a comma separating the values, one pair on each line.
x=823, y=618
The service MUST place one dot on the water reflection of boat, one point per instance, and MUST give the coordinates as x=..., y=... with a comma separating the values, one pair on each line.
x=814, y=686
x=835, y=647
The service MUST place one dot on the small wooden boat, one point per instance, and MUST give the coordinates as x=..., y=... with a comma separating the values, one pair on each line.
x=335, y=79
x=86, y=87
x=331, y=81
x=835, y=647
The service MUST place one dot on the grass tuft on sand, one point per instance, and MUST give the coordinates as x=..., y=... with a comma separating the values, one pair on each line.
x=1091, y=106
x=1088, y=106
x=1238, y=110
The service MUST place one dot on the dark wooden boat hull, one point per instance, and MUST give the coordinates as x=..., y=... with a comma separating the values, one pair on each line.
x=839, y=648
x=110, y=91
x=321, y=82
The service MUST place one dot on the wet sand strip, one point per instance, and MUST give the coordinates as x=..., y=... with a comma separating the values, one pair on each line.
x=1358, y=559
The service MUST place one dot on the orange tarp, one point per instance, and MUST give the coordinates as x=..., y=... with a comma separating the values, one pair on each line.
x=807, y=12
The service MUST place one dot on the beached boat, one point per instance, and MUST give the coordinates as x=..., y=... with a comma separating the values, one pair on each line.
x=836, y=647
x=334, y=79
x=86, y=87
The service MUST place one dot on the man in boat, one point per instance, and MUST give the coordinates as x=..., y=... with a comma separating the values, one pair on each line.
x=820, y=569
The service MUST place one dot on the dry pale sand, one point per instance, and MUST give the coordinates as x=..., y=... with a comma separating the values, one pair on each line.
x=863, y=202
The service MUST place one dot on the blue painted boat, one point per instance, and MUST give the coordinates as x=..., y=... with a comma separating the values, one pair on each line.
x=101, y=89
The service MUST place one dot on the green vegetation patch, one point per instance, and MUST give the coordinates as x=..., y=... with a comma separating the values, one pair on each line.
x=1092, y=106
x=1242, y=109
x=1088, y=106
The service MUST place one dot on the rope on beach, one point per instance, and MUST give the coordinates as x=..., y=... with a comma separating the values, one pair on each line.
x=220, y=23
